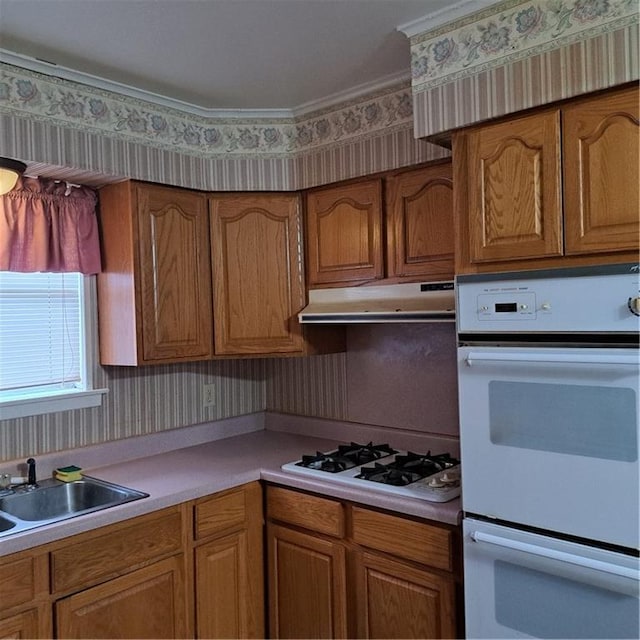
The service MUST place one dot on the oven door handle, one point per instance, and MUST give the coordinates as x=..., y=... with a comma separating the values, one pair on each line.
x=562, y=556
x=552, y=358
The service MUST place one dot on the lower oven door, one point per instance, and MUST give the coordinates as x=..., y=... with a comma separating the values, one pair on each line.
x=524, y=585
x=549, y=438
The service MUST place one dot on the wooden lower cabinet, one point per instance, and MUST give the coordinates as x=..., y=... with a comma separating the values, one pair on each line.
x=341, y=570
x=21, y=625
x=191, y=570
x=228, y=564
x=397, y=600
x=24, y=601
x=147, y=603
x=307, y=585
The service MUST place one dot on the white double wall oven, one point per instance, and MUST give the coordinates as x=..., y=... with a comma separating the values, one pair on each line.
x=549, y=383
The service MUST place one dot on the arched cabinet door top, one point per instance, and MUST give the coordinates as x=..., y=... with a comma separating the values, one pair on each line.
x=601, y=174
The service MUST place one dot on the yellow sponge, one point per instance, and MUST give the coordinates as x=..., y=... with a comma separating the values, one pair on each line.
x=68, y=474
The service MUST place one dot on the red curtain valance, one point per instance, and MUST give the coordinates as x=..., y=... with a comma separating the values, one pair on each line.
x=50, y=226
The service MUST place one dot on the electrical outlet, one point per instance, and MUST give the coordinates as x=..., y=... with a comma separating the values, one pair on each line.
x=209, y=395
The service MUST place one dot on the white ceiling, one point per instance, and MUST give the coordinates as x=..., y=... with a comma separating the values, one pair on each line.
x=224, y=54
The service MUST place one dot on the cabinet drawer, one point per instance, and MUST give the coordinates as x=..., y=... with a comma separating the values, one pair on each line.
x=311, y=512
x=417, y=541
x=19, y=577
x=117, y=550
x=219, y=513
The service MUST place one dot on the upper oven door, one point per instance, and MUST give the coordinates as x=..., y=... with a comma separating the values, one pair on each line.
x=549, y=438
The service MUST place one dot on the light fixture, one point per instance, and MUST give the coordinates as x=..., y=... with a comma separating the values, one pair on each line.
x=10, y=171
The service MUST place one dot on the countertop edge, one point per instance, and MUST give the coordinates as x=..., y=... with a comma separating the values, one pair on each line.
x=169, y=480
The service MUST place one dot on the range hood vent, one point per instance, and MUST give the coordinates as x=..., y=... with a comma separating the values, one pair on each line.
x=415, y=302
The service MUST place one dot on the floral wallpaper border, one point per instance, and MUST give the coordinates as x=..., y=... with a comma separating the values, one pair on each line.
x=510, y=31
x=30, y=94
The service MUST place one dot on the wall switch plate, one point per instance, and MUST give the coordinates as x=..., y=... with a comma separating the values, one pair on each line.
x=209, y=395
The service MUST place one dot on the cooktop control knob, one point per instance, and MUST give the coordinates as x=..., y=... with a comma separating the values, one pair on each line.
x=545, y=306
x=634, y=305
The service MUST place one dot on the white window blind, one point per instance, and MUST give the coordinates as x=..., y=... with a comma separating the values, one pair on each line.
x=41, y=334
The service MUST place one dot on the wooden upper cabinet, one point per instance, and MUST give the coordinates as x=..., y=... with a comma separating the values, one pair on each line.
x=601, y=173
x=256, y=244
x=420, y=223
x=344, y=234
x=552, y=189
x=154, y=293
x=514, y=189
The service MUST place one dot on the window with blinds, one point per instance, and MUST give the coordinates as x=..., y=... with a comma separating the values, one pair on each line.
x=42, y=334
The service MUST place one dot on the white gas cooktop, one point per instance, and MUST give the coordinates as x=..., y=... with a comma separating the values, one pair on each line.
x=432, y=477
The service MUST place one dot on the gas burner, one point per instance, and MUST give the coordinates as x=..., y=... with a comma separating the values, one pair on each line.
x=326, y=462
x=365, y=453
x=424, y=464
x=386, y=474
x=346, y=456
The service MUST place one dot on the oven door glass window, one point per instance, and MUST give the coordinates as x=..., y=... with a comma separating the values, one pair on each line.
x=543, y=605
x=573, y=419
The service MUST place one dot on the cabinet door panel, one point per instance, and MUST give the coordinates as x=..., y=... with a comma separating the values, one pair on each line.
x=514, y=197
x=22, y=625
x=344, y=234
x=400, y=601
x=221, y=585
x=420, y=223
x=307, y=595
x=257, y=273
x=601, y=173
x=148, y=603
x=175, y=276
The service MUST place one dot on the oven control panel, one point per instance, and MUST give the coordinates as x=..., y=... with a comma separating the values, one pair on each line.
x=588, y=300
x=508, y=305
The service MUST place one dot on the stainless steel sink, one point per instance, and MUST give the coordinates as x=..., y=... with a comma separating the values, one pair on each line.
x=53, y=501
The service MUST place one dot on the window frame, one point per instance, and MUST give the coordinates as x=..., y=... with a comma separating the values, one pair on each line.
x=53, y=401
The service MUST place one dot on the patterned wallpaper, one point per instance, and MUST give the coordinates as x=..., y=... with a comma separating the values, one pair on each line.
x=141, y=400
x=50, y=120
x=519, y=54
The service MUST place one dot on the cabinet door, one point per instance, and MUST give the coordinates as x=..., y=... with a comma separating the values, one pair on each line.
x=258, y=283
x=396, y=600
x=175, y=278
x=148, y=603
x=222, y=587
x=514, y=189
x=420, y=223
x=601, y=173
x=344, y=234
x=21, y=625
x=307, y=585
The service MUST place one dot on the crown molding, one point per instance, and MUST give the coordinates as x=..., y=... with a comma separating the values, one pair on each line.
x=52, y=69
x=443, y=16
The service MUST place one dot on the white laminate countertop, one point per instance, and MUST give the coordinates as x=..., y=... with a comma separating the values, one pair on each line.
x=192, y=472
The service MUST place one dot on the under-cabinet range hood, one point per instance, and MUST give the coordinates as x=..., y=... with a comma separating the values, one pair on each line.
x=414, y=302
